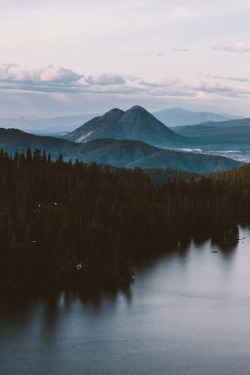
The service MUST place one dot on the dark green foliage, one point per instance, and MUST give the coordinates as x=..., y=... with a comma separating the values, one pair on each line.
x=161, y=174
x=65, y=224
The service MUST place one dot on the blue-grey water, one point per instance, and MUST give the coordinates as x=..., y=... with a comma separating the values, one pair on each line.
x=186, y=313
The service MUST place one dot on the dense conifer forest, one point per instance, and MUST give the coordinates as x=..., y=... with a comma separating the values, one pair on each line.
x=64, y=224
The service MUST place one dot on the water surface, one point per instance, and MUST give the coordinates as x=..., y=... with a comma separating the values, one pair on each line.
x=187, y=312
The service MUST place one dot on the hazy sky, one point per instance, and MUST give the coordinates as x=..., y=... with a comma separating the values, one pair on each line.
x=71, y=57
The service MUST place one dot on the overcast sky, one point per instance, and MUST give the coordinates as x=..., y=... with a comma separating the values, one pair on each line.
x=71, y=57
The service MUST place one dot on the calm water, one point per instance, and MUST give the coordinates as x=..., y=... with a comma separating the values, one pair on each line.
x=186, y=313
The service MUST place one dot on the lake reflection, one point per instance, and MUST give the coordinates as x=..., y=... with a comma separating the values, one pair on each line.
x=186, y=313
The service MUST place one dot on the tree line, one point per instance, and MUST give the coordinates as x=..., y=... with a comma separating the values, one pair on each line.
x=64, y=224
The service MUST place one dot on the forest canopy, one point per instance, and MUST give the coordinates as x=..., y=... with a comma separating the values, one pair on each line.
x=64, y=224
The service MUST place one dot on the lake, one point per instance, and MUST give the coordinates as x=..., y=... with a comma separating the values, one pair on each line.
x=187, y=312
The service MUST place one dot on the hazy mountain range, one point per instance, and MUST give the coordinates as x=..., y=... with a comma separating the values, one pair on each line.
x=180, y=117
x=47, y=126
x=135, y=138
x=50, y=126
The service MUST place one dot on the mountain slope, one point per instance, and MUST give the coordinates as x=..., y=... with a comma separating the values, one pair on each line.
x=228, y=138
x=233, y=130
x=190, y=161
x=130, y=154
x=180, y=117
x=14, y=139
x=119, y=153
x=136, y=124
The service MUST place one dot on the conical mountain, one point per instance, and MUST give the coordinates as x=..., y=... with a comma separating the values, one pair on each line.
x=134, y=124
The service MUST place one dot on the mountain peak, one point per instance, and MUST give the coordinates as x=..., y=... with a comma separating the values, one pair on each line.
x=136, y=112
x=137, y=108
x=114, y=110
x=136, y=123
x=113, y=115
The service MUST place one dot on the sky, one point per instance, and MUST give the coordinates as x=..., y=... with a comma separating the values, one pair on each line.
x=72, y=57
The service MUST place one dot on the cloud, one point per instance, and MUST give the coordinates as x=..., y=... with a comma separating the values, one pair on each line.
x=217, y=89
x=48, y=79
x=58, y=80
x=230, y=78
x=168, y=82
x=161, y=53
x=11, y=73
x=105, y=79
x=242, y=47
x=193, y=87
x=179, y=49
x=150, y=52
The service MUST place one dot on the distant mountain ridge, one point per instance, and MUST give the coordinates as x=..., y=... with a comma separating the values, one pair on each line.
x=228, y=138
x=133, y=124
x=231, y=129
x=180, y=117
x=119, y=153
x=46, y=126
x=57, y=125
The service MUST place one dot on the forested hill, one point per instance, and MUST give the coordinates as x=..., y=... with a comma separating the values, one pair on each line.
x=119, y=153
x=82, y=225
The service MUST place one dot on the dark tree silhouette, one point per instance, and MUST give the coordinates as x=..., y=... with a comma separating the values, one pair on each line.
x=65, y=224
